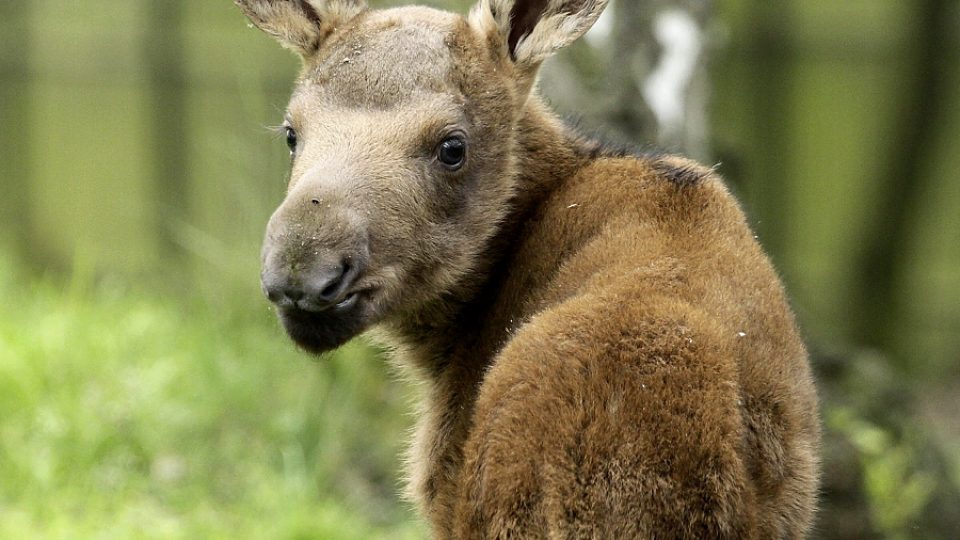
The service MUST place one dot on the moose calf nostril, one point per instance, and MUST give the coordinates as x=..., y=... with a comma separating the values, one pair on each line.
x=330, y=291
x=273, y=295
x=275, y=288
x=293, y=294
x=282, y=296
x=313, y=290
x=332, y=288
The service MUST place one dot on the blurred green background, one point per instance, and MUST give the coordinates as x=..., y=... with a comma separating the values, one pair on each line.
x=147, y=392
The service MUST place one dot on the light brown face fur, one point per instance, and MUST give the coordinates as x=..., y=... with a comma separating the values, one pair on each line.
x=606, y=351
x=370, y=112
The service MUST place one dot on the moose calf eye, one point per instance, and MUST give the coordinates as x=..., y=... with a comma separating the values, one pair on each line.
x=452, y=152
x=291, y=140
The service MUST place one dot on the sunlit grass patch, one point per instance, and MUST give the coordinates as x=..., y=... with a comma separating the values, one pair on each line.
x=126, y=414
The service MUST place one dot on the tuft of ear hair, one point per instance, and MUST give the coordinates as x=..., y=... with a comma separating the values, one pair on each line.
x=532, y=30
x=300, y=25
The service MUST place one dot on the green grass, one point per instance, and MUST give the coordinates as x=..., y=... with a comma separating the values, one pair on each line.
x=130, y=414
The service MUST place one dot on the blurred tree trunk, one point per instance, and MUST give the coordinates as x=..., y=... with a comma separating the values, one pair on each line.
x=881, y=269
x=165, y=65
x=608, y=84
x=906, y=181
x=772, y=78
x=15, y=126
x=660, y=44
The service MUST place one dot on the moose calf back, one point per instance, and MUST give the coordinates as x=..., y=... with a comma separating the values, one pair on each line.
x=606, y=351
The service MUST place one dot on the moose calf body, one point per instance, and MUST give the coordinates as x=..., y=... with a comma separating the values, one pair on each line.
x=606, y=350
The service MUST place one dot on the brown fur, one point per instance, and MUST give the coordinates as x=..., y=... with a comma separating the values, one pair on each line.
x=605, y=349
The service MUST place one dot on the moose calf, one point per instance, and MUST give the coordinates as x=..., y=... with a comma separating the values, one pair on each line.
x=607, y=351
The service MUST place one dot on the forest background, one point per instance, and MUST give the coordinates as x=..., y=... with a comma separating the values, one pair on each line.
x=146, y=390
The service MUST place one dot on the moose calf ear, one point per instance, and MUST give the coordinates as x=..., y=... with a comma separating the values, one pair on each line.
x=300, y=25
x=531, y=30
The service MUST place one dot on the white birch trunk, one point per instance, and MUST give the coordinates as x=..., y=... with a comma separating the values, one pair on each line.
x=653, y=85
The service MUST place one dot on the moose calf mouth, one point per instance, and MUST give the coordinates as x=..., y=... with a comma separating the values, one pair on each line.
x=318, y=295
x=321, y=331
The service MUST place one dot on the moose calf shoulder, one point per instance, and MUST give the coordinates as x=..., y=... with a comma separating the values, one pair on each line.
x=607, y=351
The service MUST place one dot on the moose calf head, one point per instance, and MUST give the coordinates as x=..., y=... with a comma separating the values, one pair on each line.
x=402, y=134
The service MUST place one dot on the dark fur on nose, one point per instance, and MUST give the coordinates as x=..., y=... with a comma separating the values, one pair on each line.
x=313, y=290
